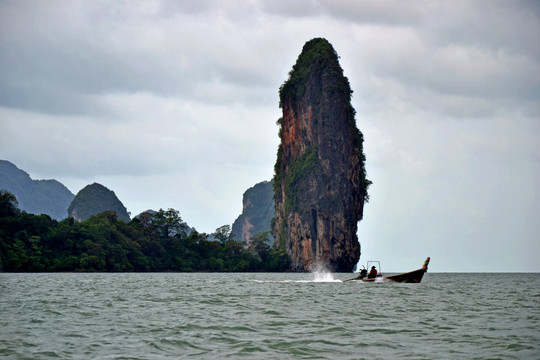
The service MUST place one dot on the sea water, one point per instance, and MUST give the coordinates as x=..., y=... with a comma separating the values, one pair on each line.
x=267, y=316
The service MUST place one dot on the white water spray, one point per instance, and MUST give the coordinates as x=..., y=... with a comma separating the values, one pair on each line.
x=321, y=274
x=324, y=277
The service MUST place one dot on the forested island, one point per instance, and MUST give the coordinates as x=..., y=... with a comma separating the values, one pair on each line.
x=158, y=241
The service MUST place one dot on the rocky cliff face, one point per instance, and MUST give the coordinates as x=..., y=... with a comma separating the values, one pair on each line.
x=257, y=213
x=320, y=180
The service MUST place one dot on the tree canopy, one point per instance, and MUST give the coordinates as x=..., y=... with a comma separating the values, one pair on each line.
x=151, y=242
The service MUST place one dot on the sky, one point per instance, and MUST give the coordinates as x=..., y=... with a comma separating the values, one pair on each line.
x=173, y=104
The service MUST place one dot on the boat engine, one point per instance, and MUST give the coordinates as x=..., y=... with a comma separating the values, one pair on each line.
x=363, y=273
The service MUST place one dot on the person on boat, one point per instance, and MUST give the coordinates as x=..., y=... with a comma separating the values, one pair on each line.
x=372, y=273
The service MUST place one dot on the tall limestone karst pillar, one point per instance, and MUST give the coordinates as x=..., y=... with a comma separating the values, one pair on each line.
x=320, y=180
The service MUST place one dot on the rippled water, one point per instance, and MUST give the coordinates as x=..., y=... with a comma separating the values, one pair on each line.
x=267, y=316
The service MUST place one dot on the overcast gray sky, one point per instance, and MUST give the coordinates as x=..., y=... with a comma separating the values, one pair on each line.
x=173, y=104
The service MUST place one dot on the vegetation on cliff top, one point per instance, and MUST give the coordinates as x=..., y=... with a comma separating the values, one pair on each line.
x=319, y=58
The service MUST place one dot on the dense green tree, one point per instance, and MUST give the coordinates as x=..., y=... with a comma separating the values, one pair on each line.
x=224, y=234
x=159, y=242
x=169, y=223
x=260, y=245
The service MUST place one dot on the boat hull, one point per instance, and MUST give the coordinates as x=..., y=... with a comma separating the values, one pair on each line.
x=409, y=277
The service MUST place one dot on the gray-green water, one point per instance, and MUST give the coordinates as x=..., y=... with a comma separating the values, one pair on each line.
x=267, y=316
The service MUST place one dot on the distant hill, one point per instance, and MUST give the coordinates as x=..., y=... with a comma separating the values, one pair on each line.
x=94, y=199
x=35, y=196
x=257, y=213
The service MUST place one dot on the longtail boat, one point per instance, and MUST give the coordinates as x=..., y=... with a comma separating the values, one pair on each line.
x=414, y=276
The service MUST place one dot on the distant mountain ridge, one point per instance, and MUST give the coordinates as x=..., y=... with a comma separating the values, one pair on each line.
x=94, y=199
x=54, y=199
x=35, y=196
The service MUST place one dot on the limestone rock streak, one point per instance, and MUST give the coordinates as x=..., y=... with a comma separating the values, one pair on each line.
x=320, y=180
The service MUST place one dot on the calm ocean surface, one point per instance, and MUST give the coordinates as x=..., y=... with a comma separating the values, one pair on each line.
x=268, y=316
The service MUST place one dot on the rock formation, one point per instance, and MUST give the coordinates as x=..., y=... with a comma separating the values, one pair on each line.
x=94, y=199
x=35, y=196
x=320, y=180
x=257, y=212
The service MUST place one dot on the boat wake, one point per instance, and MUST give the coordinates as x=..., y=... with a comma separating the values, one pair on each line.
x=318, y=277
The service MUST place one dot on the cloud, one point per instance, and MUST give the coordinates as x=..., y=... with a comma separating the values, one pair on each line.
x=382, y=12
x=111, y=50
